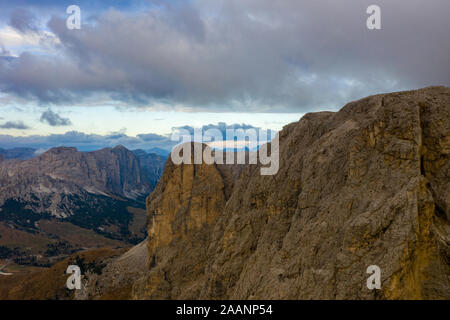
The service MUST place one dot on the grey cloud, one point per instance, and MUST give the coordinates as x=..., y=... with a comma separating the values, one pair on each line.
x=151, y=137
x=116, y=136
x=241, y=55
x=14, y=125
x=77, y=139
x=222, y=127
x=5, y=55
x=88, y=142
x=23, y=21
x=4, y=52
x=54, y=119
x=83, y=141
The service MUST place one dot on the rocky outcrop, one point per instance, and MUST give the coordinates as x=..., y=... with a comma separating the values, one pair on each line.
x=117, y=276
x=368, y=185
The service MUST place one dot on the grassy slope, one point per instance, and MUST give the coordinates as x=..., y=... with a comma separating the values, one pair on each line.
x=50, y=284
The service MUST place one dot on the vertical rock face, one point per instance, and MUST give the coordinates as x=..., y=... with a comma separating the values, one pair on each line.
x=182, y=213
x=152, y=166
x=368, y=185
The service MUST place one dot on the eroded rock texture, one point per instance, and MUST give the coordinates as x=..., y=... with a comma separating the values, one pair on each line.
x=49, y=182
x=368, y=185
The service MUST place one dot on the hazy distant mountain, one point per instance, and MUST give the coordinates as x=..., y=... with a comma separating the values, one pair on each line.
x=162, y=152
x=18, y=153
x=151, y=164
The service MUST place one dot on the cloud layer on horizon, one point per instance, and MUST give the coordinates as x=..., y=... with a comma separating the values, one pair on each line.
x=235, y=55
x=89, y=142
x=19, y=125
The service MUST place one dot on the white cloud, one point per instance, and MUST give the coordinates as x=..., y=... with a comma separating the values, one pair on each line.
x=18, y=42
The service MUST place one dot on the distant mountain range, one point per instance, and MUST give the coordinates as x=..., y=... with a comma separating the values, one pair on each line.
x=101, y=193
x=18, y=153
x=159, y=151
x=29, y=153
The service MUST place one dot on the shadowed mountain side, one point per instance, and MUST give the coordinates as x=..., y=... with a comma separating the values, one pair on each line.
x=152, y=166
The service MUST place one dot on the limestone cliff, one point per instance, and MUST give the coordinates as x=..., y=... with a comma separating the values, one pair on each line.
x=368, y=185
x=183, y=209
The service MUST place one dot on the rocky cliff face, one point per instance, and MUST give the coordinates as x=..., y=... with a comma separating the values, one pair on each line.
x=187, y=202
x=92, y=190
x=152, y=166
x=368, y=185
x=64, y=171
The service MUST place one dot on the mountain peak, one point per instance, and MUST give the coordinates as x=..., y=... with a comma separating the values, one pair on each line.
x=120, y=147
x=61, y=149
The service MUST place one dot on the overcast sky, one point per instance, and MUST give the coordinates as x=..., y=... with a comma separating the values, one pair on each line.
x=140, y=67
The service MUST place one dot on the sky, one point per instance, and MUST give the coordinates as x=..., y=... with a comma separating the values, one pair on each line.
x=137, y=70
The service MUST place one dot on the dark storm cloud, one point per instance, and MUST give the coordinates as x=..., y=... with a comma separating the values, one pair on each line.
x=241, y=55
x=54, y=119
x=14, y=125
